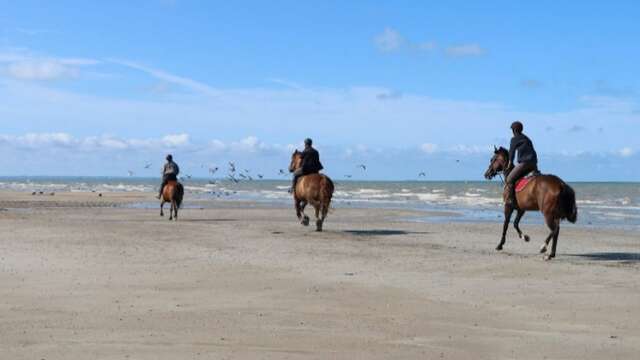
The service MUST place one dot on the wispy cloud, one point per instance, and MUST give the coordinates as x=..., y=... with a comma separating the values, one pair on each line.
x=188, y=83
x=626, y=152
x=465, y=50
x=23, y=65
x=389, y=40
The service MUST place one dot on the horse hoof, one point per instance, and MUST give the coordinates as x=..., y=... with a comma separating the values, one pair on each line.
x=527, y=238
x=548, y=257
x=543, y=250
x=499, y=247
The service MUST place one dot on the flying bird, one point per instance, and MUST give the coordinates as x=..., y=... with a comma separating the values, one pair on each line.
x=363, y=167
x=147, y=165
x=130, y=172
x=422, y=174
x=232, y=167
x=213, y=170
x=348, y=176
x=260, y=176
x=281, y=172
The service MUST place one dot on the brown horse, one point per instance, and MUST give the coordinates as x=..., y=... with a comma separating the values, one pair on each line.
x=314, y=189
x=546, y=193
x=172, y=193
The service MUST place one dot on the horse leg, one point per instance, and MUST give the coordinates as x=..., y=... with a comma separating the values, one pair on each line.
x=318, y=209
x=296, y=204
x=171, y=211
x=516, y=224
x=555, y=240
x=508, y=210
x=548, y=219
x=162, y=208
x=305, y=218
x=175, y=210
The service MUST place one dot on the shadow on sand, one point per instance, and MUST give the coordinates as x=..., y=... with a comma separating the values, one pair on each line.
x=380, y=232
x=622, y=257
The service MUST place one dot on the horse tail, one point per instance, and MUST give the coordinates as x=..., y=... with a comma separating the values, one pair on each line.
x=568, y=207
x=178, y=194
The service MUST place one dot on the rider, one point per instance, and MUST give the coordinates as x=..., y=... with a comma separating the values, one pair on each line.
x=310, y=163
x=527, y=160
x=169, y=173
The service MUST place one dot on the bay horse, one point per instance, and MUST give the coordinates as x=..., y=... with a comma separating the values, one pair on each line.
x=173, y=193
x=546, y=193
x=315, y=189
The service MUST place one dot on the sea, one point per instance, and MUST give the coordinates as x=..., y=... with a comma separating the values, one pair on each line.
x=600, y=204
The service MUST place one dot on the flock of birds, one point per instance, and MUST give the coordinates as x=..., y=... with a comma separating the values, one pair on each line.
x=234, y=175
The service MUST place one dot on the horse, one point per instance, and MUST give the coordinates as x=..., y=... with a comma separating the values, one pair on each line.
x=173, y=193
x=545, y=193
x=315, y=189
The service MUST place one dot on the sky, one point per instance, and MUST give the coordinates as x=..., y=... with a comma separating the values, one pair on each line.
x=103, y=88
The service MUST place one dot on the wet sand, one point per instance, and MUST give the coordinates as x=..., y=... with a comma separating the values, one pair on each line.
x=85, y=278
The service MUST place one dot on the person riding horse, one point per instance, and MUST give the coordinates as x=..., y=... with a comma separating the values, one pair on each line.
x=527, y=160
x=310, y=163
x=169, y=173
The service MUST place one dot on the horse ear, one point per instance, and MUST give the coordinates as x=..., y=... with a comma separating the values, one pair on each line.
x=495, y=148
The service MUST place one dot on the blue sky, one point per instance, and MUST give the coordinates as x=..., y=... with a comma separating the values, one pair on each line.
x=403, y=86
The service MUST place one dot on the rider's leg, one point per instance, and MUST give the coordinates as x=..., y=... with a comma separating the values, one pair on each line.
x=164, y=182
x=510, y=185
x=296, y=175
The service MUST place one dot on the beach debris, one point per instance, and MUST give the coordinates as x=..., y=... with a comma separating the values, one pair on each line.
x=99, y=194
x=33, y=193
x=349, y=274
x=52, y=194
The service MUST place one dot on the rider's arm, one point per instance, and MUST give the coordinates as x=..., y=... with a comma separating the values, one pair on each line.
x=512, y=152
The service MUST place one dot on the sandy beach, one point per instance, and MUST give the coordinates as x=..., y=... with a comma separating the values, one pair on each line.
x=87, y=277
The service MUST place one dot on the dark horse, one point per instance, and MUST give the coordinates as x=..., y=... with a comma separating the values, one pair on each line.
x=314, y=189
x=172, y=193
x=546, y=193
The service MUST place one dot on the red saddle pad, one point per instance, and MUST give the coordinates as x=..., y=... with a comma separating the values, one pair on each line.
x=522, y=183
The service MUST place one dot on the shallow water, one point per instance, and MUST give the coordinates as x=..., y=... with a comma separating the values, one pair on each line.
x=599, y=204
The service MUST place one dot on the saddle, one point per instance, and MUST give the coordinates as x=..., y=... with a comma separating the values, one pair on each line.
x=522, y=183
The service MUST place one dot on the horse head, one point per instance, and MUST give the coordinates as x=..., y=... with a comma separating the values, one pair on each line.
x=296, y=161
x=498, y=162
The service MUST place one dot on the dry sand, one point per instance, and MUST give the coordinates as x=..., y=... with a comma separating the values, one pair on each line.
x=85, y=279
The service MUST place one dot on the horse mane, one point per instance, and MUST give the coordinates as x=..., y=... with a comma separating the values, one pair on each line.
x=502, y=150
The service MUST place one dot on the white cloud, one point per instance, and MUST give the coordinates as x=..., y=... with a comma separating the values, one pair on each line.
x=626, y=152
x=44, y=141
x=464, y=50
x=22, y=65
x=176, y=140
x=429, y=148
x=40, y=70
x=389, y=40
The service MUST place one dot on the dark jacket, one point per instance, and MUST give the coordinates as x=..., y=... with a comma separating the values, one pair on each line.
x=526, y=153
x=171, y=168
x=311, y=161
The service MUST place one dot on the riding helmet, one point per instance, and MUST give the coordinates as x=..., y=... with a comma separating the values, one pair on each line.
x=169, y=157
